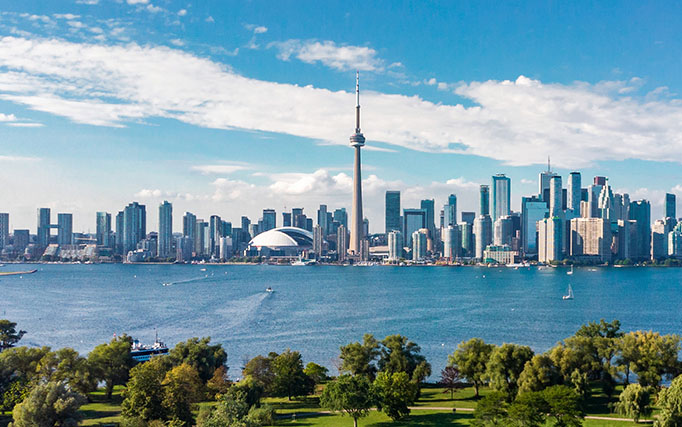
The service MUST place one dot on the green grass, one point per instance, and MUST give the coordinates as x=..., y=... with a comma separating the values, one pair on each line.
x=99, y=411
x=378, y=419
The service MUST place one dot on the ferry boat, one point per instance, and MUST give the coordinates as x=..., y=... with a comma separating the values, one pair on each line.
x=142, y=353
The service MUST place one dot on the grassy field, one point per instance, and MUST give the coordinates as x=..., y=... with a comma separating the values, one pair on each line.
x=100, y=412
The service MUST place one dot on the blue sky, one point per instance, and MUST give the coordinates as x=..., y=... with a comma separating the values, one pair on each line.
x=231, y=107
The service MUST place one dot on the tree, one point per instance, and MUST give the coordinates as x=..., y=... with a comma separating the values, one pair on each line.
x=66, y=365
x=628, y=353
x=394, y=393
x=450, y=380
x=670, y=402
x=219, y=383
x=199, y=354
x=563, y=404
x=505, y=366
x=14, y=393
x=290, y=380
x=634, y=402
x=144, y=395
x=260, y=369
x=491, y=410
x=528, y=410
x=111, y=362
x=49, y=404
x=398, y=354
x=8, y=334
x=181, y=390
x=358, y=359
x=656, y=356
x=471, y=358
x=538, y=374
x=18, y=372
x=315, y=372
x=349, y=395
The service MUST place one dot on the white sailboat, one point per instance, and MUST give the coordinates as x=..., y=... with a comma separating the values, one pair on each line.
x=570, y=293
x=570, y=272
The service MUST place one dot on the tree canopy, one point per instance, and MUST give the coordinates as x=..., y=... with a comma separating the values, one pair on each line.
x=9, y=335
x=49, y=404
x=471, y=358
x=199, y=354
x=349, y=395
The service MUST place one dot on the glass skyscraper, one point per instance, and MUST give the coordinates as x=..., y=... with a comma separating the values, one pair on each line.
x=392, y=218
x=134, y=226
x=165, y=241
x=413, y=220
x=65, y=229
x=484, y=206
x=670, y=206
x=103, y=226
x=43, y=234
x=501, y=196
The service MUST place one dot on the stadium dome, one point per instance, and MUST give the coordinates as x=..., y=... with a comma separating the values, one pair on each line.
x=283, y=238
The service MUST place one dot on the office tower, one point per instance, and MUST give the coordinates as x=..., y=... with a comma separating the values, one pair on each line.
x=64, y=229
x=532, y=210
x=502, y=234
x=225, y=246
x=246, y=222
x=308, y=224
x=450, y=212
x=331, y=229
x=659, y=237
x=341, y=217
x=419, y=244
x=469, y=217
x=120, y=232
x=675, y=242
x=392, y=204
x=395, y=245
x=606, y=203
x=466, y=237
x=451, y=242
x=4, y=230
x=165, y=240
x=189, y=222
x=413, y=220
x=640, y=211
x=670, y=206
x=317, y=239
x=286, y=219
x=215, y=224
x=484, y=205
x=574, y=193
x=253, y=230
x=483, y=230
x=501, y=196
x=184, y=246
x=199, y=234
x=555, y=196
x=365, y=227
x=227, y=229
x=342, y=242
x=543, y=183
x=357, y=141
x=43, y=234
x=21, y=240
x=429, y=207
x=269, y=220
x=322, y=219
x=134, y=226
x=550, y=234
x=103, y=227
x=591, y=239
x=600, y=180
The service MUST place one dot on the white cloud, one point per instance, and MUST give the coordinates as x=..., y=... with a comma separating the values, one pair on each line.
x=137, y=1
x=260, y=29
x=221, y=168
x=67, y=16
x=209, y=19
x=329, y=54
x=182, y=12
x=7, y=117
x=518, y=121
x=177, y=42
x=154, y=9
x=25, y=124
x=90, y=2
x=18, y=159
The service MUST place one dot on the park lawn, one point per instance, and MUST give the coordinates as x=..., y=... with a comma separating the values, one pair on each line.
x=435, y=396
x=302, y=404
x=99, y=411
x=379, y=419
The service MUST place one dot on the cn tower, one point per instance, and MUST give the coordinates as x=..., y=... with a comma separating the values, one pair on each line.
x=357, y=140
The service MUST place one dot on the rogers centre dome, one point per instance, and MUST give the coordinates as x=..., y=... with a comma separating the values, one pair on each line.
x=283, y=238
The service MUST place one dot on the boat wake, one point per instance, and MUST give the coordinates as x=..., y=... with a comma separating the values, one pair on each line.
x=243, y=310
x=180, y=282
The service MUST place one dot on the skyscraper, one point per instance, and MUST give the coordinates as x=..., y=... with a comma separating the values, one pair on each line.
x=357, y=141
x=269, y=220
x=188, y=225
x=103, y=227
x=413, y=220
x=392, y=219
x=532, y=210
x=451, y=242
x=165, y=240
x=502, y=232
x=286, y=219
x=120, y=232
x=640, y=211
x=501, y=196
x=543, y=182
x=591, y=239
x=342, y=242
x=65, y=229
x=483, y=230
x=341, y=216
x=322, y=219
x=215, y=233
x=469, y=217
x=134, y=226
x=555, y=194
x=428, y=205
x=450, y=212
x=395, y=245
x=43, y=232
x=484, y=202
x=574, y=193
x=4, y=230
x=670, y=205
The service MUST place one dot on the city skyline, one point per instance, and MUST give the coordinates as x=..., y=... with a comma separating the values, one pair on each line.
x=136, y=127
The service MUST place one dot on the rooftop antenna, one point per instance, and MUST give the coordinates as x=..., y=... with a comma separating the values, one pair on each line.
x=549, y=169
x=357, y=101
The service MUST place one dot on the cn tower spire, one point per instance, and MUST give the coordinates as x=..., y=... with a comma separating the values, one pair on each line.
x=357, y=141
x=357, y=102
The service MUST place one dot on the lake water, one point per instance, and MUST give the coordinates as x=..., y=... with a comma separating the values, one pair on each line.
x=316, y=309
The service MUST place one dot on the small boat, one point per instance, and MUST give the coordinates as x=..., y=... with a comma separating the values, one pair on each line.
x=269, y=290
x=570, y=293
x=570, y=272
x=202, y=269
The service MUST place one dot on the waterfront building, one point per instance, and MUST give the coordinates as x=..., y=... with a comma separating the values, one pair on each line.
x=322, y=219
x=503, y=230
x=318, y=239
x=184, y=246
x=392, y=216
x=606, y=203
x=4, y=230
x=341, y=241
x=165, y=241
x=120, y=232
x=670, y=206
x=413, y=220
x=484, y=200
x=103, y=229
x=532, y=210
x=624, y=238
x=550, y=232
x=555, y=197
x=395, y=245
x=189, y=221
x=357, y=141
x=286, y=219
x=499, y=254
x=640, y=211
x=591, y=239
x=419, y=244
x=451, y=242
x=225, y=252
x=227, y=229
x=64, y=229
x=134, y=226
x=341, y=217
x=215, y=225
x=501, y=196
x=469, y=217
x=466, y=236
x=659, y=237
x=429, y=206
x=450, y=214
x=43, y=234
x=21, y=240
x=675, y=242
x=483, y=230
x=199, y=235
x=574, y=194
x=269, y=220
x=543, y=183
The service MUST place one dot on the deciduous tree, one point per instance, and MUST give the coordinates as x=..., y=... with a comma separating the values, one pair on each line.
x=181, y=390
x=199, y=354
x=505, y=366
x=670, y=402
x=290, y=380
x=9, y=335
x=634, y=402
x=112, y=362
x=144, y=395
x=471, y=358
x=349, y=395
x=450, y=380
x=538, y=373
x=359, y=358
x=49, y=404
x=394, y=393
